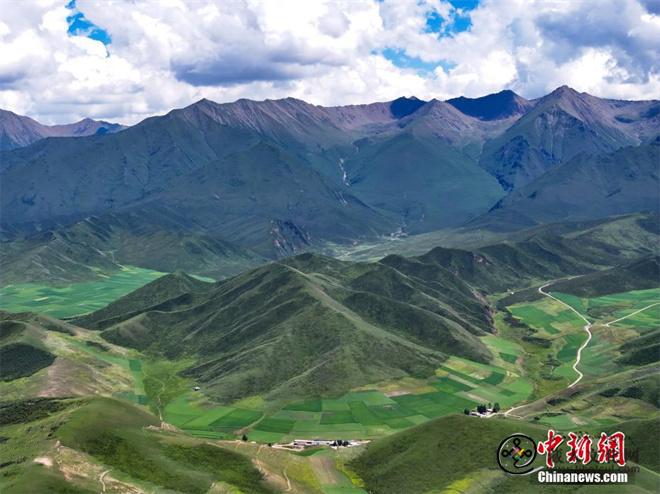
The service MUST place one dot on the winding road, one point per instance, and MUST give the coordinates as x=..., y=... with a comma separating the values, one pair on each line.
x=101, y=477
x=587, y=328
x=631, y=314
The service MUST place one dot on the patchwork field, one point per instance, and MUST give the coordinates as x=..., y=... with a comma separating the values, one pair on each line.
x=361, y=414
x=385, y=408
x=610, y=307
x=551, y=352
x=77, y=298
x=557, y=334
x=548, y=317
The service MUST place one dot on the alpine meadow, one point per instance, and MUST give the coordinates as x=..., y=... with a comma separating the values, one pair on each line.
x=377, y=247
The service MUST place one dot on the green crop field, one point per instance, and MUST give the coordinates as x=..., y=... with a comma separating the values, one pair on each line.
x=547, y=316
x=550, y=357
x=76, y=298
x=362, y=414
x=609, y=307
x=558, y=333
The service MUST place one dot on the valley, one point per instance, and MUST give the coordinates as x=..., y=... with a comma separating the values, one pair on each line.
x=532, y=373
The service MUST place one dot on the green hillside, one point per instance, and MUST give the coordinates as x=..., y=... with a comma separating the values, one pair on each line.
x=639, y=275
x=555, y=251
x=23, y=350
x=585, y=187
x=176, y=288
x=87, y=437
x=458, y=453
x=43, y=356
x=548, y=251
x=454, y=450
x=407, y=175
x=340, y=324
x=102, y=245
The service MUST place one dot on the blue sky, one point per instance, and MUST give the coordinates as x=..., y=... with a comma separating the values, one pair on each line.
x=458, y=21
x=79, y=25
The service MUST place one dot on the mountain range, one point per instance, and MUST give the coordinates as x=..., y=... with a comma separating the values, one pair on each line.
x=18, y=131
x=251, y=180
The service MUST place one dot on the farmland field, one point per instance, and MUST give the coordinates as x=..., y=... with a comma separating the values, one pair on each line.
x=609, y=307
x=361, y=414
x=76, y=298
x=553, y=354
x=547, y=316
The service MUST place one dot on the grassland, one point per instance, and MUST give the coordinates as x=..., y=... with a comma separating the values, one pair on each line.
x=81, y=363
x=76, y=298
x=555, y=334
x=417, y=461
x=519, y=372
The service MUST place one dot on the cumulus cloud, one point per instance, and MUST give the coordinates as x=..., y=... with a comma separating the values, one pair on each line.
x=166, y=54
x=334, y=22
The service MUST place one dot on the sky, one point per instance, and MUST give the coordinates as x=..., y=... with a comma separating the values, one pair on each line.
x=122, y=61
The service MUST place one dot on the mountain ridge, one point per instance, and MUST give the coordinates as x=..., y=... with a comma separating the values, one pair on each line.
x=327, y=315
x=19, y=131
x=279, y=177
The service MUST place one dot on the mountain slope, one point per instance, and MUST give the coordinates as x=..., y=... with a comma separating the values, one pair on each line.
x=158, y=240
x=279, y=177
x=496, y=106
x=562, y=125
x=416, y=179
x=341, y=325
x=18, y=131
x=548, y=252
x=585, y=187
x=422, y=459
x=425, y=459
x=639, y=275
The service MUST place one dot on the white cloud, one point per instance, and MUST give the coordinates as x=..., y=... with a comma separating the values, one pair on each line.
x=169, y=54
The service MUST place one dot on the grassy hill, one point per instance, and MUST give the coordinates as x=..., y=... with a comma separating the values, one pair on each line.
x=23, y=351
x=432, y=457
x=79, y=440
x=43, y=356
x=158, y=240
x=173, y=289
x=341, y=325
x=458, y=453
x=601, y=243
x=555, y=251
x=639, y=275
